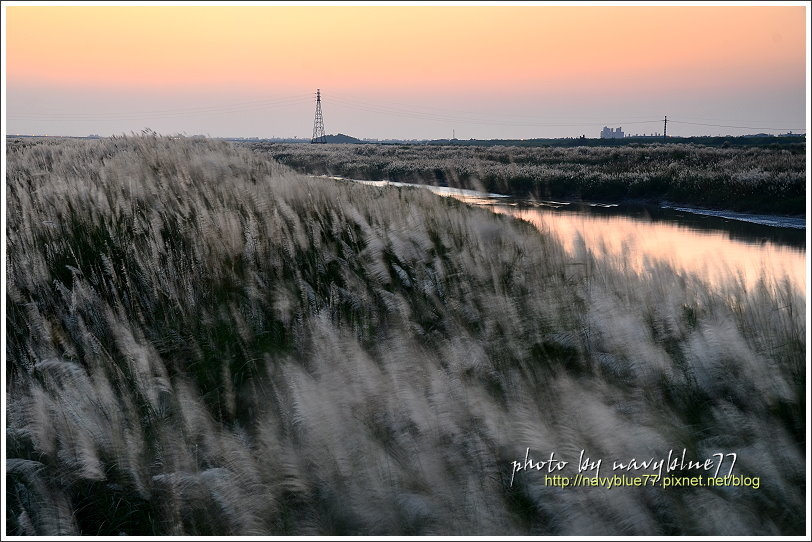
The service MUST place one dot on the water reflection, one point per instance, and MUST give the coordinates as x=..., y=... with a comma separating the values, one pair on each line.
x=712, y=254
x=714, y=245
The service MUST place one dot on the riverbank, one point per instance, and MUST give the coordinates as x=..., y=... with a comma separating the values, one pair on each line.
x=757, y=180
x=778, y=221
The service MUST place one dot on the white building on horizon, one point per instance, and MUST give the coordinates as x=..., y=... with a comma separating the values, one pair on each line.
x=610, y=133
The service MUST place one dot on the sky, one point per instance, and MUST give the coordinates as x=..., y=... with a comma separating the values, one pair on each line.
x=405, y=71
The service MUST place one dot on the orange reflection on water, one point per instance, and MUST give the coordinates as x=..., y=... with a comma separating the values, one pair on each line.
x=709, y=254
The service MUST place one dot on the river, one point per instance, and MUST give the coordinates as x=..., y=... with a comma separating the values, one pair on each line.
x=716, y=245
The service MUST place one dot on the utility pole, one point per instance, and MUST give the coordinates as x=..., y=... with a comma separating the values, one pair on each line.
x=318, y=122
x=665, y=127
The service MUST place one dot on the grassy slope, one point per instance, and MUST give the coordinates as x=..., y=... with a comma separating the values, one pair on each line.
x=202, y=342
x=754, y=179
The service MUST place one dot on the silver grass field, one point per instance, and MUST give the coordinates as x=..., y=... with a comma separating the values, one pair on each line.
x=200, y=341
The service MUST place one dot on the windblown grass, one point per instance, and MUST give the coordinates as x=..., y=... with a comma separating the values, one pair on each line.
x=201, y=342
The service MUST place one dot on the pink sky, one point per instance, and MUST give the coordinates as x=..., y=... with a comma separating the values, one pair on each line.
x=405, y=72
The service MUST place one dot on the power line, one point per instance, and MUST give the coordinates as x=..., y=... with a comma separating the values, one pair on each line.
x=455, y=118
x=413, y=113
x=737, y=121
x=420, y=115
x=446, y=112
x=233, y=108
x=742, y=127
x=473, y=118
x=253, y=103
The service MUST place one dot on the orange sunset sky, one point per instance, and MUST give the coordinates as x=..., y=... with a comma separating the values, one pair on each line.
x=405, y=71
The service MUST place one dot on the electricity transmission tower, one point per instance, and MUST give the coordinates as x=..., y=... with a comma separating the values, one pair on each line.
x=665, y=127
x=318, y=122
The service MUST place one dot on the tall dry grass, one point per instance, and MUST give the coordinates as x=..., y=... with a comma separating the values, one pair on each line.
x=201, y=342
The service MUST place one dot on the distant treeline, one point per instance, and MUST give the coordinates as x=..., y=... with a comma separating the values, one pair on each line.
x=764, y=179
x=781, y=142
